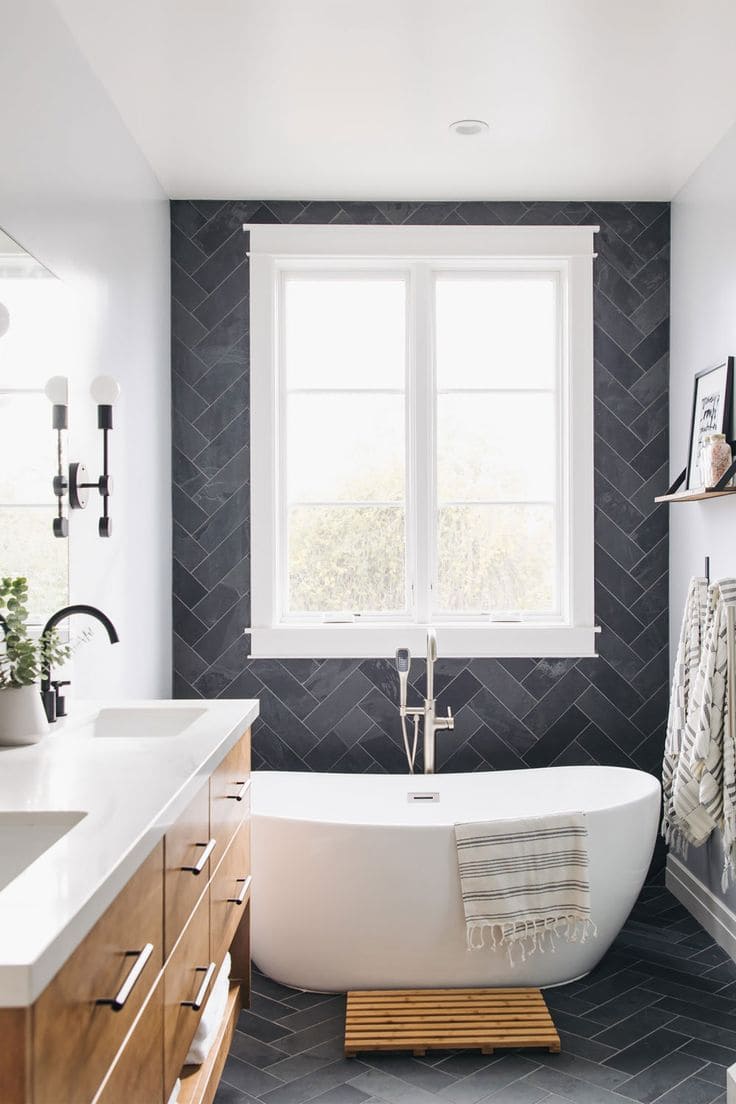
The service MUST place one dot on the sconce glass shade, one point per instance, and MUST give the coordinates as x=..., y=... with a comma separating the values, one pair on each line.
x=105, y=390
x=57, y=390
x=4, y=319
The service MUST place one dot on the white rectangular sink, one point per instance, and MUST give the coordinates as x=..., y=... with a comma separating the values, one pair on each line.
x=25, y=836
x=146, y=722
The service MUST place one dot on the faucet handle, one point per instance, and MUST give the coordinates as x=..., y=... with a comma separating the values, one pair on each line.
x=60, y=703
x=48, y=697
x=450, y=718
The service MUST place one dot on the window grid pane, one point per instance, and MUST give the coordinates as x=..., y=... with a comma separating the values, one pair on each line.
x=343, y=331
x=496, y=558
x=496, y=447
x=29, y=449
x=345, y=447
x=484, y=336
x=29, y=548
x=345, y=558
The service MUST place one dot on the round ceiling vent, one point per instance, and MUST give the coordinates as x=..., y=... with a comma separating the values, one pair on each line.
x=467, y=128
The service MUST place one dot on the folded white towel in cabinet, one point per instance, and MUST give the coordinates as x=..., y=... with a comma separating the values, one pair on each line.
x=211, y=1018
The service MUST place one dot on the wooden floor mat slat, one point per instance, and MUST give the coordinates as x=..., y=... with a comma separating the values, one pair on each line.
x=479, y=1002
x=440, y=1019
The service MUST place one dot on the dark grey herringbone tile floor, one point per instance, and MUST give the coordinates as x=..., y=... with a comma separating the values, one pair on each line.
x=655, y=1022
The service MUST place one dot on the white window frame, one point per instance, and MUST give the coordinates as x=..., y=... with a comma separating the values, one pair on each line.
x=420, y=251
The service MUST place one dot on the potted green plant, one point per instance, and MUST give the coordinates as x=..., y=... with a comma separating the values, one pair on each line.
x=22, y=658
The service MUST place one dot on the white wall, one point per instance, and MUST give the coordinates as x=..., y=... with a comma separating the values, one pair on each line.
x=703, y=333
x=76, y=192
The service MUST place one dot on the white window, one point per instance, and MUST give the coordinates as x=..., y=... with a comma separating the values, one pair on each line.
x=421, y=440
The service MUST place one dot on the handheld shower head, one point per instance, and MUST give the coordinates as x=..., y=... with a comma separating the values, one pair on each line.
x=403, y=663
x=431, y=660
x=403, y=660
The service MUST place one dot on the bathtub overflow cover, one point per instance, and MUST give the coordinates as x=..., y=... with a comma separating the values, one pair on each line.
x=426, y=795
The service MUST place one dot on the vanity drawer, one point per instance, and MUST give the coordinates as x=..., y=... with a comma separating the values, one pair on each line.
x=187, y=847
x=229, y=793
x=138, y=1074
x=230, y=892
x=187, y=970
x=76, y=1035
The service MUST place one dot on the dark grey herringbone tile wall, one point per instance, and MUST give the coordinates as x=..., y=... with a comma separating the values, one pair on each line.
x=340, y=714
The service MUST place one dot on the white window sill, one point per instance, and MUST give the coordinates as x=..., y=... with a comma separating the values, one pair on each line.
x=373, y=641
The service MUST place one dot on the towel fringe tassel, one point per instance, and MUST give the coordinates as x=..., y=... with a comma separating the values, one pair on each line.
x=530, y=936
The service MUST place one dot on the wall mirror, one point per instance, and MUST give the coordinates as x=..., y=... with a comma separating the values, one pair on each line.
x=32, y=320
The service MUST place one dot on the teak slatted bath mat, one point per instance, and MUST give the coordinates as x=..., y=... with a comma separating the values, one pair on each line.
x=446, y=1019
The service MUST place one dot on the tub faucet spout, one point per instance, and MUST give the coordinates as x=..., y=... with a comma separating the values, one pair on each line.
x=428, y=712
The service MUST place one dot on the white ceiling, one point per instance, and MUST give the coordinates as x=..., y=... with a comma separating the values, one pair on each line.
x=8, y=247
x=335, y=99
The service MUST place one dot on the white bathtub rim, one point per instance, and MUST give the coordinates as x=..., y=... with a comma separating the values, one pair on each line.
x=381, y=818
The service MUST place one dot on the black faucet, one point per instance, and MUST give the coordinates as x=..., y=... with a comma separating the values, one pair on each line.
x=51, y=698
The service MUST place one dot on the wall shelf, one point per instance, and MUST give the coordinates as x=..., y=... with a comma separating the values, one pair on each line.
x=697, y=494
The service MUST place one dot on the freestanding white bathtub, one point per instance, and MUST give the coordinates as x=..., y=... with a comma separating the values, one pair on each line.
x=356, y=887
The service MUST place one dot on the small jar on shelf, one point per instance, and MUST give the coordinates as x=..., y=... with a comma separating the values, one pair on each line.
x=715, y=459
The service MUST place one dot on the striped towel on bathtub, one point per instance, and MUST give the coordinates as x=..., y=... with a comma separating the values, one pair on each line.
x=525, y=882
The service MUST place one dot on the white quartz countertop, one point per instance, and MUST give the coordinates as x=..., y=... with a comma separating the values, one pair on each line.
x=130, y=789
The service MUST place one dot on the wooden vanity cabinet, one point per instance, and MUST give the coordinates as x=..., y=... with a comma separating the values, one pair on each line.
x=75, y=1036
x=115, y=1024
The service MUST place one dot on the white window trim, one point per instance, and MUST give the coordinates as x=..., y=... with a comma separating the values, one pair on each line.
x=567, y=249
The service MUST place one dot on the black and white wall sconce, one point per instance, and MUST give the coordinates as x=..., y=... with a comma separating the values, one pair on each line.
x=73, y=483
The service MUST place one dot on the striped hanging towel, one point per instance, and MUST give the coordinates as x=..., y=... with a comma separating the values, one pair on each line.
x=525, y=882
x=704, y=786
x=689, y=649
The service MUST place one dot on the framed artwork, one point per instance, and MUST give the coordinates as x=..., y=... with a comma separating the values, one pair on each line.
x=712, y=397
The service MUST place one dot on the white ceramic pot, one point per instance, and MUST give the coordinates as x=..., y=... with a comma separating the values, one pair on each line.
x=22, y=717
